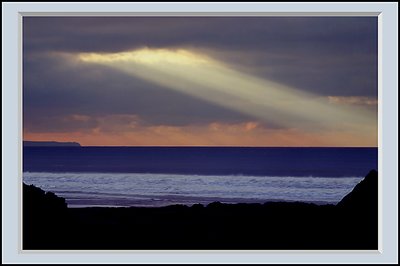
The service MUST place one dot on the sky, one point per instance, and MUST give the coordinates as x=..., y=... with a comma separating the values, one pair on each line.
x=201, y=81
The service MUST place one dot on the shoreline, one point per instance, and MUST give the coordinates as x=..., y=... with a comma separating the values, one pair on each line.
x=156, y=190
x=351, y=224
x=255, y=201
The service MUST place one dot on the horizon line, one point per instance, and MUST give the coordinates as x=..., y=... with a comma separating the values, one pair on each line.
x=199, y=146
x=193, y=146
x=226, y=146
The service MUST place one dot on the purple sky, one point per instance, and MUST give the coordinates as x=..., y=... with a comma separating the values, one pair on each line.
x=97, y=103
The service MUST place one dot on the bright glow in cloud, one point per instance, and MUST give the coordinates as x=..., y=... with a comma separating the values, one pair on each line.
x=213, y=81
x=148, y=56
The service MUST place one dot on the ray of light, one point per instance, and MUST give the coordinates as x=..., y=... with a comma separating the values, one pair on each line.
x=213, y=81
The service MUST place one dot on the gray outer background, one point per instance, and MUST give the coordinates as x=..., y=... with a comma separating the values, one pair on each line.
x=12, y=134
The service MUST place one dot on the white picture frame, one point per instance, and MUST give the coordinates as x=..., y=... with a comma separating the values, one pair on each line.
x=12, y=14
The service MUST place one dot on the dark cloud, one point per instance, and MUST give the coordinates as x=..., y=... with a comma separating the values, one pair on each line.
x=276, y=34
x=323, y=55
x=56, y=88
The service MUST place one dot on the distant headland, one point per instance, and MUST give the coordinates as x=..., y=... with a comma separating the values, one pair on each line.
x=50, y=144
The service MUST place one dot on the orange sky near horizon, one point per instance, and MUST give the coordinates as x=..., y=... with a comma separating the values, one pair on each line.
x=215, y=134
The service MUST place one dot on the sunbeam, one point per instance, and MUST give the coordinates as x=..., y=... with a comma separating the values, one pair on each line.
x=216, y=82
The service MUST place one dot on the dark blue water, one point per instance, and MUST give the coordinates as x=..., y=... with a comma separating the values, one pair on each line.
x=318, y=162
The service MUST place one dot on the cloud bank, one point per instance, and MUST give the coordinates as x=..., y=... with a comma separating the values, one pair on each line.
x=149, y=80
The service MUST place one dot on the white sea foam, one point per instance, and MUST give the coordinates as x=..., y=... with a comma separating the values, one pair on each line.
x=138, y=189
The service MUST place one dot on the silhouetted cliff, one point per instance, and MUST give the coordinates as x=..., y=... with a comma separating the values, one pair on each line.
x=364, y=196
x=44, y=215
x=37, y=199
x=359, y=210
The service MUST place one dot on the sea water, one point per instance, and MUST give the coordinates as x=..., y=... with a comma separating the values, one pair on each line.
x=160, y=176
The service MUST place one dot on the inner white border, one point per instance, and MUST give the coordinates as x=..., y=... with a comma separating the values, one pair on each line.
x=388, y=132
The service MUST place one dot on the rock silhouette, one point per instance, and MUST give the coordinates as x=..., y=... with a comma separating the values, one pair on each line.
x=351, y=224
x=364, y=196
x=359, y=209
x=44, y=214
x=37, y=199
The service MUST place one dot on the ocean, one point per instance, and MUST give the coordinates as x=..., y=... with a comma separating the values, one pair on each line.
x=161, y=176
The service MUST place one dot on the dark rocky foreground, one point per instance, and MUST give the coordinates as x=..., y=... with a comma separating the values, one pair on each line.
x=351, y=224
